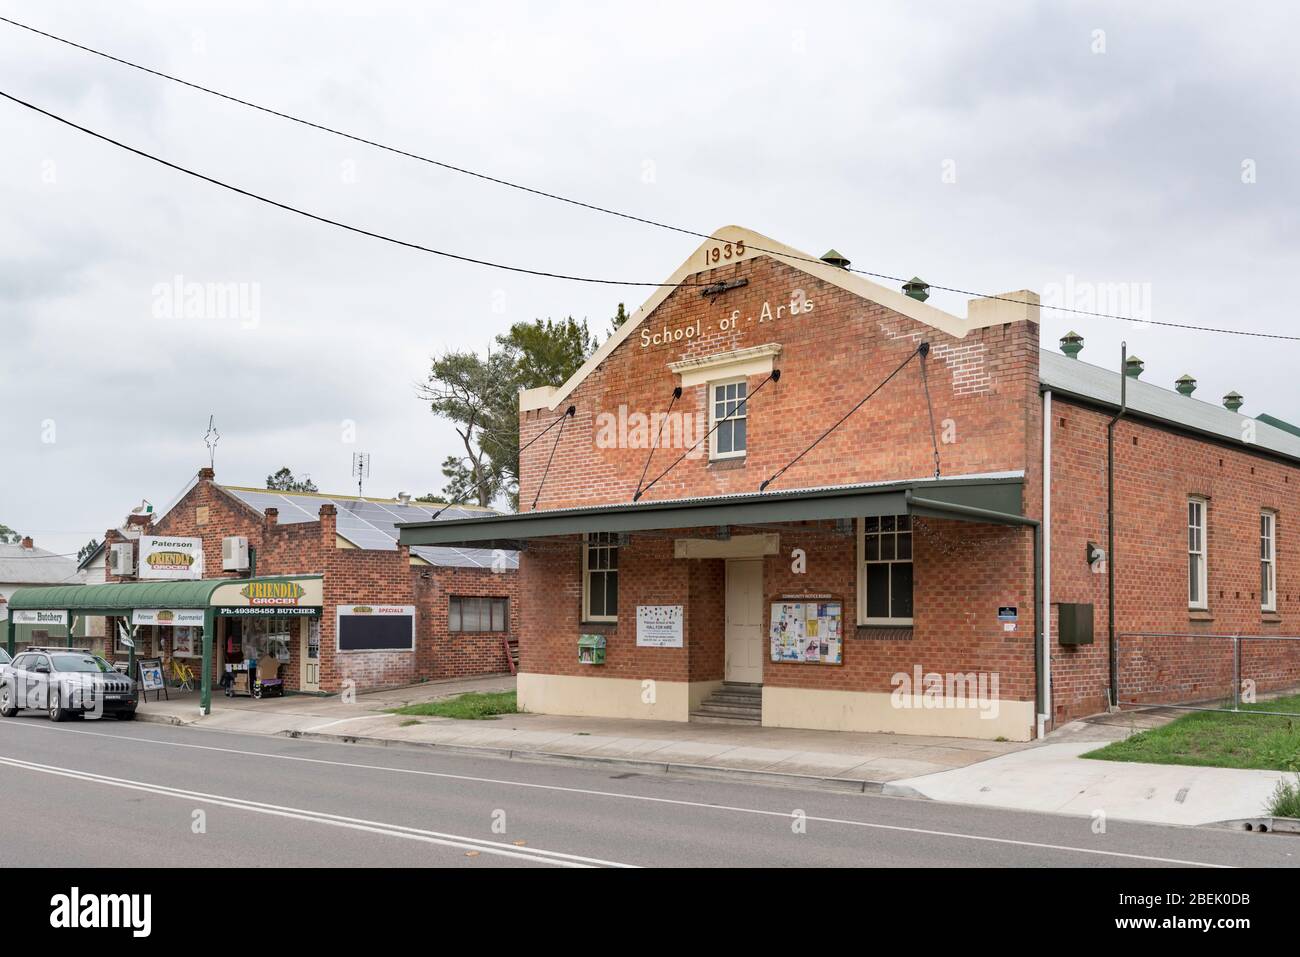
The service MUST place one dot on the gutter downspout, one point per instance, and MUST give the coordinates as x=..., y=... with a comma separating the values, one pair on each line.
x=1002, y=518
x=1112, y=649
x=1045, y=610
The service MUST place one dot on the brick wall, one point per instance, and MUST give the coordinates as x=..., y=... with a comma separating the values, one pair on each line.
x=964, y=572
x=1156, y=469
x=984, y=393
x=830, y=359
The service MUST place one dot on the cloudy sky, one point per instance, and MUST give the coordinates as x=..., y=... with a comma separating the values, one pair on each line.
x=1143, y=158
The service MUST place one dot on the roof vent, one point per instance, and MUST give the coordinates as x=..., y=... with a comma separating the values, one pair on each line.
x=1072, y=344
x=1133, y=367
x=1233, y=401
x=917, y=288
x=1185, y=384
x=835, y=259
x=404, y=498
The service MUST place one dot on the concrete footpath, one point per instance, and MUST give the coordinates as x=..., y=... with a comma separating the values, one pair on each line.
x=1048, y=776
x=833, y=759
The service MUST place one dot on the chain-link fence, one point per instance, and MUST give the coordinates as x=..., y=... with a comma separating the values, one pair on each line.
x=1257, y=674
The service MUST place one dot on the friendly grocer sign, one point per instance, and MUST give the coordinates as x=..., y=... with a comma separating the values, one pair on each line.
x=174, y=559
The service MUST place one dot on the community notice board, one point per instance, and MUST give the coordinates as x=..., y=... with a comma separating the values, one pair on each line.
x=808, y=630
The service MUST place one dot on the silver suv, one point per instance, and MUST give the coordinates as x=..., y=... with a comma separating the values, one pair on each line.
x=64, y=682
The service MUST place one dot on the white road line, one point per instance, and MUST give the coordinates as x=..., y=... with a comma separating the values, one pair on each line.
x=623, y=797
x=361, y=717
x=458, y=841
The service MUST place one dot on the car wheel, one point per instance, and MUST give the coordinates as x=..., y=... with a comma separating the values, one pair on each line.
x=57, y=711
x=126, y=715
x=6, y=708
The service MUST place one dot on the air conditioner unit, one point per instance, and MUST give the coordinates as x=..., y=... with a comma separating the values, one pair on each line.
x=121, y=559
x=234, y=554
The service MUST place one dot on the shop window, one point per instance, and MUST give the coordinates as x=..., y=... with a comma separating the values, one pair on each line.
x=1268, y=561
x=600, y=577
x=885, y=570
x=728, y=410
x=260, y=637
x=1196, y=554
x=478, y=614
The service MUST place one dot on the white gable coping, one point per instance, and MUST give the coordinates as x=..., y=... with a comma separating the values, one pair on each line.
x=982, y=313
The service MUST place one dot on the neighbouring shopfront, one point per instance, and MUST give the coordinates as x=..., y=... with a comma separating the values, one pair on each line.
x=319, y=585
x=243, y=636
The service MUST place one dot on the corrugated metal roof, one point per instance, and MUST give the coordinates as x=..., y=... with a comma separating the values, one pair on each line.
x=34, y=566
x=1060, y=373
x=372, y=522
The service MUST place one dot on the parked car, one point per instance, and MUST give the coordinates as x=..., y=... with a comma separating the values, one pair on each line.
x=4, y=663
x=65, y=682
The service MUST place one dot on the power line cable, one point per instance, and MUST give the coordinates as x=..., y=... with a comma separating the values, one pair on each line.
x=606, y=210
x=325, y=219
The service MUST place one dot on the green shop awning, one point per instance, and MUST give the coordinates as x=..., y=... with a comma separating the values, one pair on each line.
x=995, y=498
x=121, y=598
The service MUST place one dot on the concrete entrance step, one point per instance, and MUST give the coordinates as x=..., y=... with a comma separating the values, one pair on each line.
x=744, y=700
x=703, y=717
x=728, y=709
x=732, y=704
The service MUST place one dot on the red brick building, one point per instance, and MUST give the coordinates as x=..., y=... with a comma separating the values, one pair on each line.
x=783, y=493
x=461, y=605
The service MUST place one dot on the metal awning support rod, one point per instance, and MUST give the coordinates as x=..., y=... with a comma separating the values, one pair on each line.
x=677, y=394
x=922, y=350
x=568, y=414
x=773, y=376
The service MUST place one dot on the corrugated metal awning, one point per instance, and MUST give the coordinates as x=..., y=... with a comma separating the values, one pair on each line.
x=998, y=494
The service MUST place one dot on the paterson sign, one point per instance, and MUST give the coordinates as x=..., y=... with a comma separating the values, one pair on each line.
x=171, y=559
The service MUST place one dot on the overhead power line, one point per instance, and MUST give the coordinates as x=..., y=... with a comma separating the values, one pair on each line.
x=603, y=209
x=325, y=219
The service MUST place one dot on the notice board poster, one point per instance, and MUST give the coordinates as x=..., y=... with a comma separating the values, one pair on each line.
x=659, y=626
x=808, y=630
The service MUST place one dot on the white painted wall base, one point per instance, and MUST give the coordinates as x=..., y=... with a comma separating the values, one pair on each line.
x=601, y=697
x=876, y=711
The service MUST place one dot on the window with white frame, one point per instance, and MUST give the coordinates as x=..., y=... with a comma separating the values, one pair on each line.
x=1196, y=554
x=885, y=570
x=1268, y=561
x=600, y=577
x=728, y=411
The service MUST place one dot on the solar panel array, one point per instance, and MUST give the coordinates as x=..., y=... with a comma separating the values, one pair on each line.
x=369, y=524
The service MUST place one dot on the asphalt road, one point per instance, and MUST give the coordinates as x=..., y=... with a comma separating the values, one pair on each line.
x=96, y=793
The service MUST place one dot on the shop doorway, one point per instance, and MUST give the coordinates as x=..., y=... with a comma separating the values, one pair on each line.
x=744, y=622
x=309, y=654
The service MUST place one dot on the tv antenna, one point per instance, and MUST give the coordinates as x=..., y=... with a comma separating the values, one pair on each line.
x=360, y=468
x=210, y=439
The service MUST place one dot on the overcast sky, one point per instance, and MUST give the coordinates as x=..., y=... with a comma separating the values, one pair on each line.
x=1067, y=148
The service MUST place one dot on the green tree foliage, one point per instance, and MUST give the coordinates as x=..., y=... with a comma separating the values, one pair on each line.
x=8, y=536
x=283, y=481
x=479, y=395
